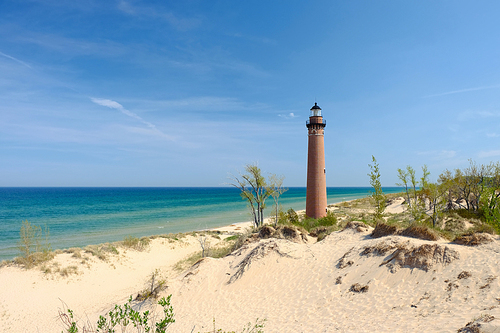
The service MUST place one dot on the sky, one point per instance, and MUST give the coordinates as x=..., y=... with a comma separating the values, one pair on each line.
x=185, y=93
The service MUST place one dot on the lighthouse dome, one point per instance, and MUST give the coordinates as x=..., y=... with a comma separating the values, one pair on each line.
x=315, y=111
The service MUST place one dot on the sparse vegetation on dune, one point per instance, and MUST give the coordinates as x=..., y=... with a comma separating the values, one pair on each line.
x=139, y=244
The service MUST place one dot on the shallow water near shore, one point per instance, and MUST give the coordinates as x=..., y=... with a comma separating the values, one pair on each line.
x=83, y=216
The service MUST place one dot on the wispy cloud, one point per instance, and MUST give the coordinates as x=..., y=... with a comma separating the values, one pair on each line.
x=288, y=115
x=469, y=115
x=15, y=59
x=440, y=154
x=463, y=91
x=201, y=103
x=490, y=153
x=179, y=23
x=117, y=106
x=66, y=45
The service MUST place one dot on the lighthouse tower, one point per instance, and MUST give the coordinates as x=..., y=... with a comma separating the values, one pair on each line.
x=316, y=172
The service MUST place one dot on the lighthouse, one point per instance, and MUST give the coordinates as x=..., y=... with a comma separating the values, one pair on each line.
x=316, y=172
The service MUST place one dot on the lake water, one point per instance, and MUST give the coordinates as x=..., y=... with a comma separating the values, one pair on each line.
x=83, y=216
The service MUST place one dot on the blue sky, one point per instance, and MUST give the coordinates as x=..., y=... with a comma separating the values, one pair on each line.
x=181, y=93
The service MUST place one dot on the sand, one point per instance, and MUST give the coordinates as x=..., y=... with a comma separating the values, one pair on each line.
x=341, y=284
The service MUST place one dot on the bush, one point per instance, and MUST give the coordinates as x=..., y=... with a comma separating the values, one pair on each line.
x=34, y=245
x=136, y=243
x=421, y=232
x=309, y=223
x=123, y=317
x=329, y=220
x=292, y=216
x=382, y=229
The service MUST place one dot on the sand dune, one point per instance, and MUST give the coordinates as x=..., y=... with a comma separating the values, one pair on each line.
x=349, y=282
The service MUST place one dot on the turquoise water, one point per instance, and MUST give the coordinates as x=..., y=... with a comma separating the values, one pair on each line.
x=83, y=216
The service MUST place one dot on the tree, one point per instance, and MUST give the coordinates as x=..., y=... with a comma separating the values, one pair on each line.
x=276, y=189
x=413, y=179
x=436, y=195
x=378, y=195
x=403, y=176
x=417, y=200
x=446, y=181
x=253, y=189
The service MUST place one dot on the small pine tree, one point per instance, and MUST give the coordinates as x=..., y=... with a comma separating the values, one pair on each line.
x=377, y=194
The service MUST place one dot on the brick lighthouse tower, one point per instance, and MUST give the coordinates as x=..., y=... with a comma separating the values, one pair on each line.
x=316, y=172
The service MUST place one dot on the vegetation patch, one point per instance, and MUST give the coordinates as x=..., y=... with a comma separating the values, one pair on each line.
x=356, y=225
x=138, y=244
x=422, y=257
x=34, y=245
x=378, y=249
x=357, y=288
x=155, y=285
x=475, y=325
x=184, y=264
x=473, y=239
x=420, y=232
x=322, y=232
x=382, y=229
x=101, y=251
x=464, y=275
x=259, y=252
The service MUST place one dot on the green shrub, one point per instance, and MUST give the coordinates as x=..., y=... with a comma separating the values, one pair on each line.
x=122, y=317
x=309, y=223
x=329, y=220
x=292, y=216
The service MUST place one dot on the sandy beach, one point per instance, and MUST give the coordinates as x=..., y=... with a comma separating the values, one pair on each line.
x=348, y=282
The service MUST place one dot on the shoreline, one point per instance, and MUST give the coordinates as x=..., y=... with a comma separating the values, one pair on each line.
x=298, y=285
x=223, y=227
x=136, y=213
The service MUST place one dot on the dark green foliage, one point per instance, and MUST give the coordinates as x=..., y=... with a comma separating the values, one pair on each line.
x=329, y=220
x=292, y=216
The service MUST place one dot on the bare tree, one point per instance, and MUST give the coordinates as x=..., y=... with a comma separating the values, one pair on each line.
x=205, y=245
x=254, y=189
x=276, y=189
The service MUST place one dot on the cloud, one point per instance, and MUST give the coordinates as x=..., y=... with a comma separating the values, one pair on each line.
x=182, y=24
x=117, y=106
x=16, y=60
x=469, y=115
x=288, y=116
x=73, y=46
x=440, y=155
x=490, y=153
x=462, y=91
